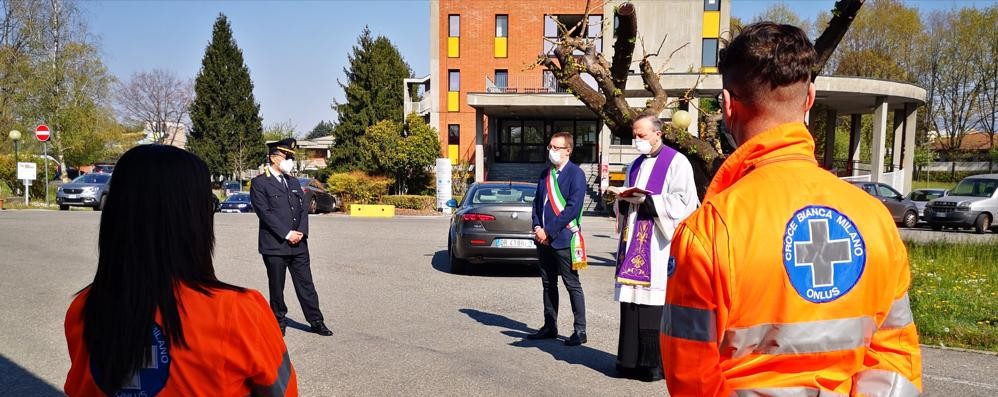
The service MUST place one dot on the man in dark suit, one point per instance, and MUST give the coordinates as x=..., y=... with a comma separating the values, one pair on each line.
x=278, y=200
x=555, y=218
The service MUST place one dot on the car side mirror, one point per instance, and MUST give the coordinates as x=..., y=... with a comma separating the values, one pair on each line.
x=452, y=203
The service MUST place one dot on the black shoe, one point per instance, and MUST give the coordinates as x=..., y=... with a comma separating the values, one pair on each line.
x=576, y=339
x=284, y=329
x=320, y=328
x=544, y=333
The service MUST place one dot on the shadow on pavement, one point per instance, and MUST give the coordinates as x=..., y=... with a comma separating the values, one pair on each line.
x=18, y=381
x=441, y=263
x=594, y=359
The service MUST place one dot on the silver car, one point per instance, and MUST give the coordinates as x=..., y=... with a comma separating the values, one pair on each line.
x=921, y=197
x=973, y=203
x=492, y=224
x=88, y=190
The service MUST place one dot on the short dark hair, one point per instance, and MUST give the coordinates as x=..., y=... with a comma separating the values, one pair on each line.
x=656, y=123
x=763, y=57
x=567, y=136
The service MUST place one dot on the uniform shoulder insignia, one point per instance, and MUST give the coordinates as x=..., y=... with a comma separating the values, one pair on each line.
x=824, y=253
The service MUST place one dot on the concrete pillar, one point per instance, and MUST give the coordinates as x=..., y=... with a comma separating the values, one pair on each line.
x=479, y=145
x=831, y=116
x=908, y=158
x=855, y=138
x=899, y=119
x=879, y=141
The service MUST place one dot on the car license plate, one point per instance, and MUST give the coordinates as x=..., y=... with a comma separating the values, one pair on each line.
x=72, y=196
x=940, y=215
x=513, y=243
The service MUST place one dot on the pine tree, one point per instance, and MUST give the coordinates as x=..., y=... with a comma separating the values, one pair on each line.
x=323, y=128
x=373, y=93
x=227, y=131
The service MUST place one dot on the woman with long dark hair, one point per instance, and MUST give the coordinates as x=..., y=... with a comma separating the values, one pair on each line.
x=156, y=320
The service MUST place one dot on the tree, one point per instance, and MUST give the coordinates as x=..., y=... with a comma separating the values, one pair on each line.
x=158, y=100
x=780, y=12
x=280, y=130
x=323, y=128
x=372, y=95
x=608, y=100
x=882, y=43
x=987, y=69
x=403, y=151
x=227, y=131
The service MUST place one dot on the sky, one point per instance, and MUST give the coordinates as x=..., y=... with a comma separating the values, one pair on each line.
x=296, y=50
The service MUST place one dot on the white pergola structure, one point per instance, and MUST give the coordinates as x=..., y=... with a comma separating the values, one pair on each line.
x=853, y=96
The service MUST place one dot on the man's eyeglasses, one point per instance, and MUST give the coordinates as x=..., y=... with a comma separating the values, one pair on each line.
x=552, y=147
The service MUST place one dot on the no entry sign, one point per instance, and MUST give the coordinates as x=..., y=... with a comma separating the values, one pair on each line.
x=42, y=133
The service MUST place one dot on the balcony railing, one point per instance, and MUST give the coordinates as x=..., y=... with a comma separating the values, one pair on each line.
x=419, y=107
x=516, y=85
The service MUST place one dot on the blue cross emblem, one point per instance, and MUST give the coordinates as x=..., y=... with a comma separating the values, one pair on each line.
x=824, y=254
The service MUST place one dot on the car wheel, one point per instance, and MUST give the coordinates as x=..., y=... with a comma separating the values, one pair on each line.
x=63, y=207
x=936, y=227
x=910, y=219
x=982, y=224
x=457, y=265
x=100, y=204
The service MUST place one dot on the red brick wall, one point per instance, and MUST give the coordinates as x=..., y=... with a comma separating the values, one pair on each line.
x=477, y=58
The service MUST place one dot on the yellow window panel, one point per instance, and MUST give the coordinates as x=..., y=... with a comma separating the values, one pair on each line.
x=708, y=70
x=453, y=47
x=501, y=47
x=453, y=101
x=711, y=24
x=452, y=153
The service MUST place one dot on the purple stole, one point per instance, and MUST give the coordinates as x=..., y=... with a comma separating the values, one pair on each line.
x=634, y=264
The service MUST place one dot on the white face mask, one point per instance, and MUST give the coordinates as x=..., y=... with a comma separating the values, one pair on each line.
x=643, y=146
x=554, y=156
x=287, y=165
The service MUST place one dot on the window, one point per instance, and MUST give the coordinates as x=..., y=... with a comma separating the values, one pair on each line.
x=453, y=134
x=556, y=25
x=454, y=80
x=454, y=26
x=549, y=82
x=525, y=141
x=886, y=191
x=712, y=5
x=502, y=78
x=502, y=26
x=709, y=59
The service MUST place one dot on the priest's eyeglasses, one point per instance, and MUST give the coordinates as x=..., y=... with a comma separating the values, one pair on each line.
x=552, y=147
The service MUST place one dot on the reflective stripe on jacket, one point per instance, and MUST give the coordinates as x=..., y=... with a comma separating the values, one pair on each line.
x=788, y=282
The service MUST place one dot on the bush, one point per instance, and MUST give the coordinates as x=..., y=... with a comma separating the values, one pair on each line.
x=357, y=187
x=411, y=202
x=8, y=174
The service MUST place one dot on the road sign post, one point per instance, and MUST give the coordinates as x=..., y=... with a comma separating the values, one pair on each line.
x=42, y=133
x=27, y=172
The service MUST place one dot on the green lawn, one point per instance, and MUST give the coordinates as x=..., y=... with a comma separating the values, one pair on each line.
x=932, y=185
x=954, y=294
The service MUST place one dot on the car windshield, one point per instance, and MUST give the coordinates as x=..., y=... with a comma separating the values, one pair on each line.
x=924, y=195
x=232, y=185
x=503, y=195
x=304, y=181
x=92, y=178
x=238, y=198
x=975, y=188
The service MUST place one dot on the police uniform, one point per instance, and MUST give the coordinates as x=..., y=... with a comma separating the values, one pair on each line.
x=279, y=202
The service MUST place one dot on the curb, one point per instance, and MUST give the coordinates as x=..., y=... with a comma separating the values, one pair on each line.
x=962, y=350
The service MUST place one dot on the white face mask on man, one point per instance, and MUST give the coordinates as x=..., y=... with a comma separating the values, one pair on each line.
x=286, y=165
x=554, y=156
x=643, y=146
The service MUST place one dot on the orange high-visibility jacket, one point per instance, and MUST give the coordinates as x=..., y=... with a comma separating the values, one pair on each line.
x=789, y=282
x=235, y=348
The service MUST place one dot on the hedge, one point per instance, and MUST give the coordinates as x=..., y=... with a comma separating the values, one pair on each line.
x=410, y=201
x=8, y=174
x=358, y=188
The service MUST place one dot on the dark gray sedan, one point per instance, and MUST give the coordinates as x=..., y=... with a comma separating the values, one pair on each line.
x=903, y=210
x=88, y=190
x=492, y=224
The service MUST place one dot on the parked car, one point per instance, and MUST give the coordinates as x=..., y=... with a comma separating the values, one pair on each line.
x=103, y=168
x=492, y=224
x=972, y=203
x=236, y=203
x=319, y=199
x=232, y=187
x=922, y=197
x=903, y=210
x=88, y=190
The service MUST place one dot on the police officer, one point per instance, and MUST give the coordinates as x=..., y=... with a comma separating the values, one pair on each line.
x=278, y=200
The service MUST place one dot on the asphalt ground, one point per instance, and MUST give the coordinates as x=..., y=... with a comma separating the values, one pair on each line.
x=404, y=325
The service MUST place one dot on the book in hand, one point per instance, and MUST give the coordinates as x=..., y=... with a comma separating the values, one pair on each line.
x=626, y=192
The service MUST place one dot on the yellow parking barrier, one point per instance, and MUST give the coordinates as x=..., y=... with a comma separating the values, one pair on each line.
x=372, y=210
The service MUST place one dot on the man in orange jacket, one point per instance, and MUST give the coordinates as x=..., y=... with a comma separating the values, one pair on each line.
x=788, y=281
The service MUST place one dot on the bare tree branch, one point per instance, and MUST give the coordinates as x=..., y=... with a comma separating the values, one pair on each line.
x=842, y=16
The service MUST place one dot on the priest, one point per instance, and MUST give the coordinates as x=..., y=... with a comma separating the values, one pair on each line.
x=659, y=192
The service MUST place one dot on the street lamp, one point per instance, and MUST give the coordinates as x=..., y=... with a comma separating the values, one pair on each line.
x=681, y=119
x=15, y=136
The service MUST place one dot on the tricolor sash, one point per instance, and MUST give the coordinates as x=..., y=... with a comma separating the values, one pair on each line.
x=558, y=203
x=634, y=259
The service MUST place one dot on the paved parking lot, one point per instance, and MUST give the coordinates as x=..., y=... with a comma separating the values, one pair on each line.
x=404, y=325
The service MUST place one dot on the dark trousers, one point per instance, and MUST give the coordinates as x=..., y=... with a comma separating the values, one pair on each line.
x=301, y=277
x=553, y=263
